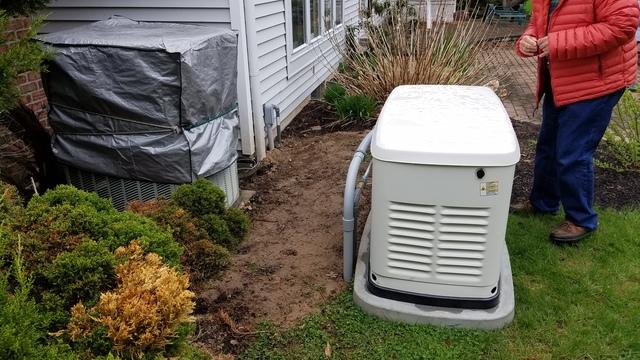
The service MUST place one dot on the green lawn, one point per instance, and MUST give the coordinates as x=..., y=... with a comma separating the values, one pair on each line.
x=571, y=303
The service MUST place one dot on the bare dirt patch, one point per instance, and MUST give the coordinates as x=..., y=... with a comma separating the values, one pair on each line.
x=293, y=259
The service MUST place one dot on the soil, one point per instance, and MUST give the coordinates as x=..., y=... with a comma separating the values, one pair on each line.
x=292, y=261
x=318, y=118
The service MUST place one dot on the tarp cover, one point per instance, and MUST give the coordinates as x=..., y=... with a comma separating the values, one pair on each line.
x=144, y=101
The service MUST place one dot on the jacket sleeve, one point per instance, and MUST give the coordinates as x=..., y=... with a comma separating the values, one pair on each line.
x=617, y=21
x=530, y=31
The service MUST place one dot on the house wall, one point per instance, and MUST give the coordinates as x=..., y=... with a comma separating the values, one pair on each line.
x=64, y=14
x=286, y=79
x=30, y=85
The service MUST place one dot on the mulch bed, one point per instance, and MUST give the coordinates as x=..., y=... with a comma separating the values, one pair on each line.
x=613, y=189
x=319, y=118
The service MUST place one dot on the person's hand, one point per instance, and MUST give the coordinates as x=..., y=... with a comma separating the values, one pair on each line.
x=543, y=45
x=528, y=45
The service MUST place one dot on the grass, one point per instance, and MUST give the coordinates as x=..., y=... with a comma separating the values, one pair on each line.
x=571, y=303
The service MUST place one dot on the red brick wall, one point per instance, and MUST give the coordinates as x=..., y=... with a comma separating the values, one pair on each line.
x=30, y=83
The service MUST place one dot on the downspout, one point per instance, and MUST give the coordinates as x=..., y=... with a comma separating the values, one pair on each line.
x=244, y=88
x=254, y=82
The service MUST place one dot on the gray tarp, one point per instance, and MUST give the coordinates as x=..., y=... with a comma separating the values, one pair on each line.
x=144, y=101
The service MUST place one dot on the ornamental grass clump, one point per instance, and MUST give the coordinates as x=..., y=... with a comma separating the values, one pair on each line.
x=144, y=313
x=403, y=50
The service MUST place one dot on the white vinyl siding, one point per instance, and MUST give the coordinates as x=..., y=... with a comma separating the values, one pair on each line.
x=63, y=14
x=287, y=80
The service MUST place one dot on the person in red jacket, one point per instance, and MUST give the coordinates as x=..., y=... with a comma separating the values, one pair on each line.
x=587, y=56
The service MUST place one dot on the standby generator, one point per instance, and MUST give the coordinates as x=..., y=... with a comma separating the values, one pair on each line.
x=443, y=161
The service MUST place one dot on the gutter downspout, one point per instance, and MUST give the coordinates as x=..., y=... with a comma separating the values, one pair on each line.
x=245, y=112
x=256, y=96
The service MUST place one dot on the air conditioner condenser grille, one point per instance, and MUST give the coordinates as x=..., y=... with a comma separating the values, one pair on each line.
x=430, y=242
x=123, y=191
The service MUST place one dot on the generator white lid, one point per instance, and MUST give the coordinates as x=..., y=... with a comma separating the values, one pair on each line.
x=445, y=125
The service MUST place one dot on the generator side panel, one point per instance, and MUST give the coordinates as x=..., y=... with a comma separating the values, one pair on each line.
x=439, y=230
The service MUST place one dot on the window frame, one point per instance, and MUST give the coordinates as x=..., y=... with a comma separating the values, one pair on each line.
x=302, y=56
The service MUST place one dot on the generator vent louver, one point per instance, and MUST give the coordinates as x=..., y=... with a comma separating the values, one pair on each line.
x=441, y=242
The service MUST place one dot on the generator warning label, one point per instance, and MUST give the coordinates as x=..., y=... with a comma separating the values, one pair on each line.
x=489, y=188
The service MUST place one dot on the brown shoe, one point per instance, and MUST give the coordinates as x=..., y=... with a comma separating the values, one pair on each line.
x=569, y=233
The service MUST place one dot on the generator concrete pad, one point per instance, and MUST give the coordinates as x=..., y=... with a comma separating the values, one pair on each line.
x=393, y=310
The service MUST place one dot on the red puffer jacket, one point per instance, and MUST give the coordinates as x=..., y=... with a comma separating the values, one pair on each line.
x=592, y=47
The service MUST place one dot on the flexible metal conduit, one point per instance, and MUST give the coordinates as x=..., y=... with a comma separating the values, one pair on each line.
x=352, y=192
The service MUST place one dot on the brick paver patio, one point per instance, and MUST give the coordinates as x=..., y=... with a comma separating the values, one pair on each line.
x=517, y=76
x=519, y=83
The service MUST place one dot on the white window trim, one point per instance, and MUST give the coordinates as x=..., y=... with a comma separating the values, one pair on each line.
x=305, y=55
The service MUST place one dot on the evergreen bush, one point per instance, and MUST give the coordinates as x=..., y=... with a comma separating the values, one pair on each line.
x=218, y=231
x=238, y=223
x=200, y=198
x=209, y=259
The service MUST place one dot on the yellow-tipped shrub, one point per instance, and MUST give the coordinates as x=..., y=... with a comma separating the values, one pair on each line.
x=144, y=312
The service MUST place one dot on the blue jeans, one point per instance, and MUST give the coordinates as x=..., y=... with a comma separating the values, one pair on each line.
x=564, y=172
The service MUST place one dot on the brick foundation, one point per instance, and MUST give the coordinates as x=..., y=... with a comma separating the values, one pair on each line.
x=30, y=83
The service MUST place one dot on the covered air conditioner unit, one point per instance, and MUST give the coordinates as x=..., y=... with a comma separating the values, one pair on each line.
x=140, y=105
x=443, y=164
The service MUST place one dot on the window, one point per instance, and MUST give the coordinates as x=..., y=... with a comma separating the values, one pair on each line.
x=297, y=20
x=328, y=14
x=315, y=18
x=312, y=18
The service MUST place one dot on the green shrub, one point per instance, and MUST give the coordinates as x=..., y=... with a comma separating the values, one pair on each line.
x=66, y=217
x=6, y=245
x=200, y=198
x=69, y=195
x=218, y=231
x=334, y=93
x=359, y=108
x=125, y=227
x=202, y=256
x=23, y=329
x=623, y=135
x=52, y=230
x=79, y=276
x=238, y=223
x=182, y=224
x=209, y=259
x=10, y=202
